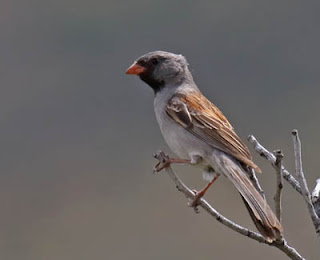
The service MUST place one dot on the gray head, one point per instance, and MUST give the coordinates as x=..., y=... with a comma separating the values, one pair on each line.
x=160, y=69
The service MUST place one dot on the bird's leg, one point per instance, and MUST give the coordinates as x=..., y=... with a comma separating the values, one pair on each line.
x=195, y=159
x=165, y=161
x=199, y=194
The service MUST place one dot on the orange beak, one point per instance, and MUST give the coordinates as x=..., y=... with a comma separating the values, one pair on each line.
x=135, y=69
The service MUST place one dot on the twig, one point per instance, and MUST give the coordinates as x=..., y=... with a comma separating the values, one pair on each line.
x=272, y=159
x=277, y=196
x=316, y=191
x=280, y=244
x=302, y=180
x=315, y=197
x=254, y=180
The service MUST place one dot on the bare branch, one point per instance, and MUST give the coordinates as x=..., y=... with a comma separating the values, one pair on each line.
x=280, y=244
x=277, y=197
x=316, y=191
x=288, y=250
x=302, y=180
x=315, y=197
x=254, y=180
x=272, y=159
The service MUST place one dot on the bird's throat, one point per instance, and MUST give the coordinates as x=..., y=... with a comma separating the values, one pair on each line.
x=156, y=85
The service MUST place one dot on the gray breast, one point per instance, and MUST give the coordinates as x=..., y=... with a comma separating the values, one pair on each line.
x=180, y=141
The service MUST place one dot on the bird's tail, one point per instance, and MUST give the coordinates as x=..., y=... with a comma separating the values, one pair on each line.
x=260, y=212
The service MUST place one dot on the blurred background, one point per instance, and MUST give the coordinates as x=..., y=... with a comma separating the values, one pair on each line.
x=77, y=135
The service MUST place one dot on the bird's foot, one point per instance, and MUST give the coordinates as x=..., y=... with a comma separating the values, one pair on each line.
x=194, y=202
x=165, y=161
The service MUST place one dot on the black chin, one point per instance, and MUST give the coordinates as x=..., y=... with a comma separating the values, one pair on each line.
x=156, y=85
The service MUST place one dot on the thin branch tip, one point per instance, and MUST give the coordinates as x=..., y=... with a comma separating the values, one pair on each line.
x=303, y=182
x=278, y=153
x=315, y=195
x=280, y=244
x=294, y=132
x=315, y=198
x=263, y=152
x=279, y=170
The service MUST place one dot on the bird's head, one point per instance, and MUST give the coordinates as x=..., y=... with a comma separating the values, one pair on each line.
x=159, y=69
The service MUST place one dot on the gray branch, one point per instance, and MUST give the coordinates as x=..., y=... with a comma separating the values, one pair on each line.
x=272, y=159
x=302, y=180
x=277, y=197
x=315, y=197
x=280, y=244
x=254, y=180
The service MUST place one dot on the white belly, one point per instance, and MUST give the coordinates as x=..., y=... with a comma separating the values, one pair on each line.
x=184, y=144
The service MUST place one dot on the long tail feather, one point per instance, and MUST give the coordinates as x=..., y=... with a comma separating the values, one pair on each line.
x=260, y=212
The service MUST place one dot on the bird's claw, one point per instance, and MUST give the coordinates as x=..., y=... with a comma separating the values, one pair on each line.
x=164, y=161
x=194, y=202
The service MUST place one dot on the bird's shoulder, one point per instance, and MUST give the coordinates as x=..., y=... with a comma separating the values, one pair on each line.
x=196, y=104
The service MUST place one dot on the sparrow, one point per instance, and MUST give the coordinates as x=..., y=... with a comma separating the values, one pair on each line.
x=198, y=133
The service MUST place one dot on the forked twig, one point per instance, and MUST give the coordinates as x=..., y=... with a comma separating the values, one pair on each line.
x=302, y=180
x=299, y=185
x=280, y=244
x=272, y=159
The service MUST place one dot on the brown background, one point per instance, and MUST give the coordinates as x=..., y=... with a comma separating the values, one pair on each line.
x=77, y=134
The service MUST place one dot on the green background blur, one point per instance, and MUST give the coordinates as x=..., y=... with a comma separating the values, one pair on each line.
x=77, y=135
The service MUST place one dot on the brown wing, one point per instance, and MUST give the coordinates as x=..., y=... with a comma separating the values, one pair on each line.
x=203, y=119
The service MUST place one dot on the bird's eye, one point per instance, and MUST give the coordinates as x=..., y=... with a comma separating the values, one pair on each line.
x=154, y=61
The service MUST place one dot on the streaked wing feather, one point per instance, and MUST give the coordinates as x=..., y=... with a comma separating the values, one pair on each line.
x=201, y=118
